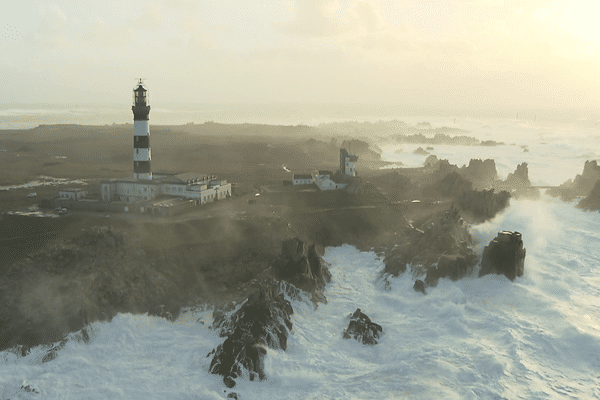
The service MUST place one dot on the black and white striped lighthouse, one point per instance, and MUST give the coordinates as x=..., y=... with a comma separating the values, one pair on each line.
x=141, y=133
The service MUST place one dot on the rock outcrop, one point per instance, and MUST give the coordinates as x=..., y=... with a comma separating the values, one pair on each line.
x=419, y=286
x=431, y=161
x=451, y=185
x=262, y=321
x=453, y=266
x=591, y=202
x=504, y=255
x=362, y=329
x=483, y=205
x=520, y=178
x=582, y=185
x=437, y=247
x=519, y=185
x=300, y=265
x=421, y=152
x=482, y=173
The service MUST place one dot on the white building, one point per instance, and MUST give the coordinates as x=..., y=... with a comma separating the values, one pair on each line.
x=145, y=185
x=200, y=188
x=324, y=182
x=302, y=179
x=72, y=194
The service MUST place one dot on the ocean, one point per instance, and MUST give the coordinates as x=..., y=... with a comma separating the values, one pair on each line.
x=477, y=338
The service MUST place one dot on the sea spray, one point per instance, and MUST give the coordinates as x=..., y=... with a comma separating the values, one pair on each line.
x=536, y=337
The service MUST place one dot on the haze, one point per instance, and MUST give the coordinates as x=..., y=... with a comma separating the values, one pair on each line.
x=480, y=53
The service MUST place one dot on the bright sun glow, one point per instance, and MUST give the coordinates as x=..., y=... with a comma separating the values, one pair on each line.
x=581, y=19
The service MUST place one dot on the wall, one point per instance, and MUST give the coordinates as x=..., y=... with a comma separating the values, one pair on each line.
x=303, y=181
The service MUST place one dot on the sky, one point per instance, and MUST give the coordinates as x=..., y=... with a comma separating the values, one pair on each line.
x=462, y=53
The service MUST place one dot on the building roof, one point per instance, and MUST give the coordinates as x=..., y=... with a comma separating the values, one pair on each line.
x=325, y=172
x=302, y=176
x=181, y=177
x=71, y=190
x=131, y=180
x=344, y=154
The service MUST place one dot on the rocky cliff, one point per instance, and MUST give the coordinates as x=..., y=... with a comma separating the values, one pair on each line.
x=482, y=205
x=263, y=319
x=592, y=201
x=482, y=173
x=582, y=185
x=504, y=255
x=437, y=247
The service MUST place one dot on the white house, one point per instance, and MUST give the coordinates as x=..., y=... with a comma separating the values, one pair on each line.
x=73, y=194
x=326, y=183
x=200, y=188
x=302, y=179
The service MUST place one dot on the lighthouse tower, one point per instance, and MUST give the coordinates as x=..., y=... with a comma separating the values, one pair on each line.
x=141, y=133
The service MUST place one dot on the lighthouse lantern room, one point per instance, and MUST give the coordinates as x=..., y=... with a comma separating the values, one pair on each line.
x=141, y=133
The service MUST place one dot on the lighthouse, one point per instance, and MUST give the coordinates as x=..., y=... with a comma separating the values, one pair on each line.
x=141, y=133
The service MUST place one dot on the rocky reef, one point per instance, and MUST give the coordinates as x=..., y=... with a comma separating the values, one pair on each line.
x=477, y=205
x=419, y=286
x=582, y=185
x=591, y=202
x=437, y=247
x=520, y=178
x=519, y=185
x=362, y=329
x=263, y=319
x=421, y=152
x=504, y=255
x=300, y=265
x=482, y=173
x=482, y=205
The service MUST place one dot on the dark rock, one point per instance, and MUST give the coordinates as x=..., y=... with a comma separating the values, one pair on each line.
x=443, y=237
x=431, y=161
x=419, y=286
x=53, y=352
x=504, y=255
x=233, y=395
x=396, y=262
x=453, y=266
x=582, y=185
x=520, y=178
x=451, y=185
x=262, y=321
x=300, y=265
x=362, y=329
x=483, y=205
x=519, y=185
x=29, y=389
x=482, y=173
x=420, y=151
x=229, y=382
x=591, y=202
